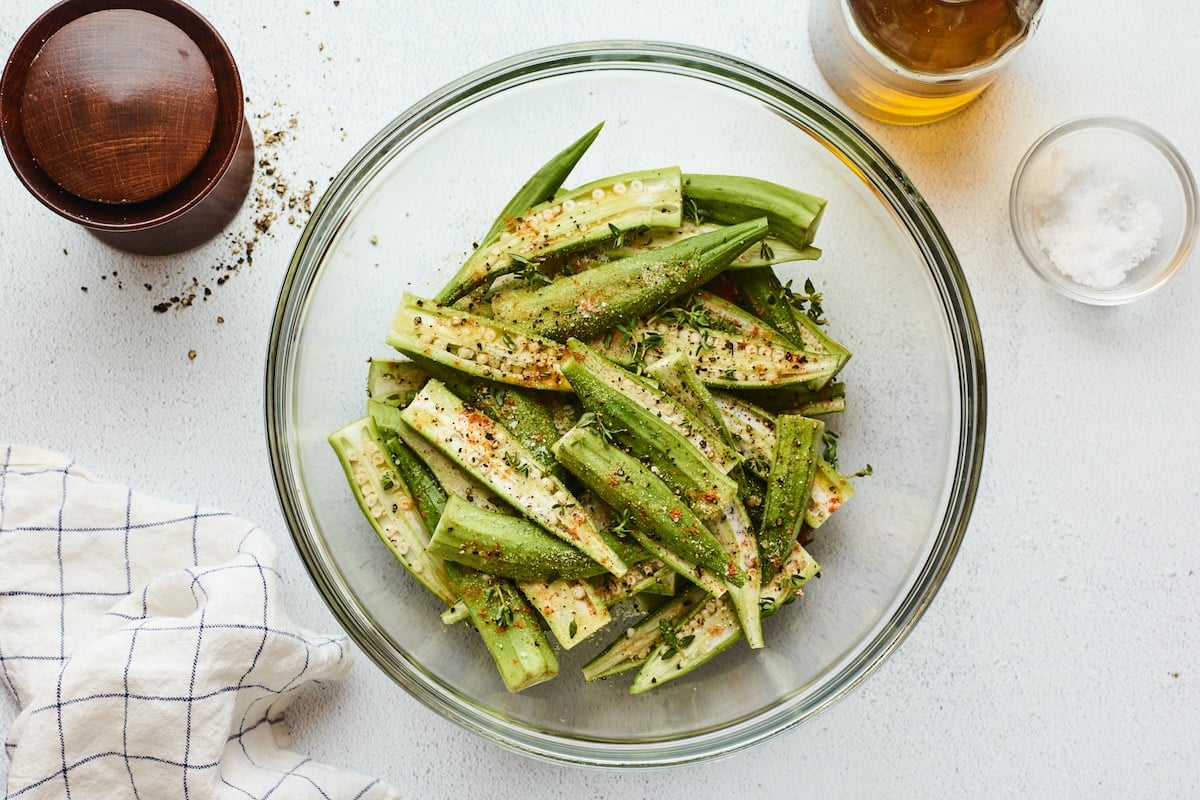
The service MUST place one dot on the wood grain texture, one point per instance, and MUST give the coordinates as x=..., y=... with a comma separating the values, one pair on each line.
x=119, y=106
x=169, y=200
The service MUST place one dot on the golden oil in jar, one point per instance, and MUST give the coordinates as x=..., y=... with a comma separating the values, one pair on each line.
x=916, y=61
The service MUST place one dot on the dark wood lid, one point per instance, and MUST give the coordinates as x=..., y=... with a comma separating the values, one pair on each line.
x=119, y=106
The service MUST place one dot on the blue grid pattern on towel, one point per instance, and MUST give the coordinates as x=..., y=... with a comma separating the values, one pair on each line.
x=161, y=681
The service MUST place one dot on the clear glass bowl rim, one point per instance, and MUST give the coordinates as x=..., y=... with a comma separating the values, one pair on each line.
x=1026, y=240
x=801, y=108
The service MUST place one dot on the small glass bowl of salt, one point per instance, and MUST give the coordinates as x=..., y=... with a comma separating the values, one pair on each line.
x=1104, y=209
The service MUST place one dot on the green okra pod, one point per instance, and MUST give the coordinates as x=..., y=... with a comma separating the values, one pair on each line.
x=729, y=199
x=622, y=481
x=789, y=486
x=656, y=429
x=509, y=627
x=542, y=185
x=388, y=505
x=592, y=302
x=475, y=345
x=486, y=450
x=584, y=216
x=729, y=347
x=631, y=650
x=771, y=250
x=506, y=545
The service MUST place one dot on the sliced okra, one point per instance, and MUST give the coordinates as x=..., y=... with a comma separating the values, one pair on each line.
x=631, y=649
x=789, y=487
x=594, y=301
x=584, y=216
x=387, y=504
x=509, y=627
x=728, y=347
x=500, y=544
x=622, y=481
x=729, y=199
x=655, y=429
x=489, y=452
x=476, y=345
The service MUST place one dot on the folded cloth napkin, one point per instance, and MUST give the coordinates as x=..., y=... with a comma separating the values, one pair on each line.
x=148, y=647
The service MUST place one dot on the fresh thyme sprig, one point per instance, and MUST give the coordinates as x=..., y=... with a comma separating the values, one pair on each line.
x=674, y=641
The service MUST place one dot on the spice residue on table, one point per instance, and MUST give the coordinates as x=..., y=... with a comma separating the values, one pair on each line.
x=274, y=196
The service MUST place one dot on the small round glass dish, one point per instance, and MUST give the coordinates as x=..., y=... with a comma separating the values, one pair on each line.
x=1104, y=209
x=403, y=214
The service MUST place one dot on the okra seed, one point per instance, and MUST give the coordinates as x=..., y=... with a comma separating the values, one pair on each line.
x=619, y=188
x=568, y=205
x=597, y=194
x=636, y=185
x=466, y=353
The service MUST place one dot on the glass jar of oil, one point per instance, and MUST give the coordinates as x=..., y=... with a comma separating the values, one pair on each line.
x=916, y=61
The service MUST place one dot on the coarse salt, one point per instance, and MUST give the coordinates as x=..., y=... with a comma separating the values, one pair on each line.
x=1092, y=221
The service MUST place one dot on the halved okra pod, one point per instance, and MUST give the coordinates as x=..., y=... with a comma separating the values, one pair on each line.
x=729, y=347
x=583, y=216
x=541, y=185
x=789, y=487
x=488, y=451
x=509, y=546
x=730, y=199
x=622, y=481
x=654, y=428
x=388, y=504
x=509, y=626
x=594, y=301
x=485, y=348
x=712, y=627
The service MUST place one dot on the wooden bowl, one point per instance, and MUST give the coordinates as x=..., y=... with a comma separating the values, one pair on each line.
x=128, y=118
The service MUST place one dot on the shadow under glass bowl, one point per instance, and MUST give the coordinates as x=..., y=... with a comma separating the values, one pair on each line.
x=405, y=212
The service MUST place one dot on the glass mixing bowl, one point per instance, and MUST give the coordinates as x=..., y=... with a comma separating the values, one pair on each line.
x=402, y=216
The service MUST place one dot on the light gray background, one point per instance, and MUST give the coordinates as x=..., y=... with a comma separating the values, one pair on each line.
x=1061, y=657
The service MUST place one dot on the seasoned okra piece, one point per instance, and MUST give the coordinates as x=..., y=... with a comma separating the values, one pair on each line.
x=572, y=609
x=733, y=527
x=387, y=504
x=789, y=486
x=729, y=347
x=524, y=412
x=542, y=185
x=691, y=642
x=631, y=649
x=799, y=399
x=622, y=481
x=677, y=377
x=394, y=383
x=509, y=627
x=584, y=216
x=713, y=627
x=730, y=199
x=753, y=430
x=771, y=250
x=512, y=547
x=488, y=451
x=761, y=291
x=655, y=429
x=485, y=348
x=592, y=302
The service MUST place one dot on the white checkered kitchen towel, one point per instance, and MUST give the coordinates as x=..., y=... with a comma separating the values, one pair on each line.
x=148, y=647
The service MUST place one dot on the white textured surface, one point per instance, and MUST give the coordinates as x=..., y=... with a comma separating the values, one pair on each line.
x=1061, y=658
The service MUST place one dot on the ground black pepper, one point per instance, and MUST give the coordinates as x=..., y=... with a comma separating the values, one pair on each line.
x=273, y=196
